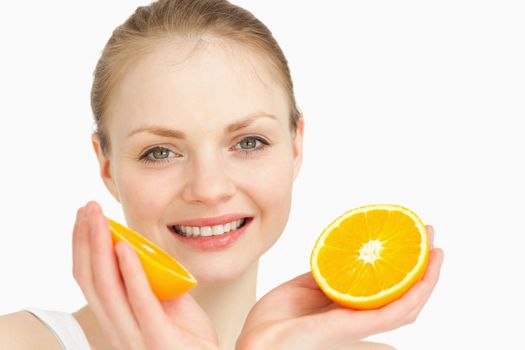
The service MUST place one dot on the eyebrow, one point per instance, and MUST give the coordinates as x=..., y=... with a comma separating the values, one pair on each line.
x=172, y=133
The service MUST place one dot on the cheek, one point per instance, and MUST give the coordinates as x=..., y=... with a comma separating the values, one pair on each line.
x=271, y=188
x=144, y=195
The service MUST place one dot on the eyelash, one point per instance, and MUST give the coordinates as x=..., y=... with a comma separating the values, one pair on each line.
x=245, y=152
x=250, y=152
x=145, y=157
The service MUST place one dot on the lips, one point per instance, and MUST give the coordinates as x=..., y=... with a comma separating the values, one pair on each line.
x=207, y=231
x=209, y=238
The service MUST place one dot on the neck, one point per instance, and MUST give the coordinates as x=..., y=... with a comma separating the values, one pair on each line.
x=226, y=304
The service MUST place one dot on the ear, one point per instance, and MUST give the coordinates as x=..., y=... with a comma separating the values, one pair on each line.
x=105, y=167
x=298, y=147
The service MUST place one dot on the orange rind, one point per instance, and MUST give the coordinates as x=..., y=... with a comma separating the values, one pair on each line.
x=370, y=256
x=166, y=276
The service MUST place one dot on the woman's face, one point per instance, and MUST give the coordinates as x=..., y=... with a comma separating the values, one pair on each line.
x=201, y=144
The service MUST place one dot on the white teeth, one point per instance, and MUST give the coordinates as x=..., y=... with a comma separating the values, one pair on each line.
x=217, y=230
x=195, y=231
x=206, y=231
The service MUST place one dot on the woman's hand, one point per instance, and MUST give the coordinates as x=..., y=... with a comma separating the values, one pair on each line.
x=298, y=315
x=119, y=294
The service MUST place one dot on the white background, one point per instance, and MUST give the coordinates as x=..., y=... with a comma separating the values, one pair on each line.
x=417, y=103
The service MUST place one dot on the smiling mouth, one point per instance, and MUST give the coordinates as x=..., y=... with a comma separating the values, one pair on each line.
x=208, y=231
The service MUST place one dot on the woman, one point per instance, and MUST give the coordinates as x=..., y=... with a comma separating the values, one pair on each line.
x=200, y=139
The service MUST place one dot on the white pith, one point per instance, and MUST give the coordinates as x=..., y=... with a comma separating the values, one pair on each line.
x=370, y=251
x=422, y=259
x=206, y=231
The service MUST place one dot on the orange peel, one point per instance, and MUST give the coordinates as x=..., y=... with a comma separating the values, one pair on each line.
x=370, y=256
x=166, y=276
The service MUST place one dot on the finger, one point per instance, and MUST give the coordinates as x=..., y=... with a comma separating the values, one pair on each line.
x=398, y=313
x=82, y=266
x=305, y=280
x=430, y=234
x=147, y=309
x=406, y=309
x=107, y=280
x=74, y=239
x=153, y=315
x=435, y=260
x=429, y=281
x=193, y=313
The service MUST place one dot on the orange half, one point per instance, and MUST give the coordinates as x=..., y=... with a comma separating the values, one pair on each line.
x=370, y=256
x=166, y=276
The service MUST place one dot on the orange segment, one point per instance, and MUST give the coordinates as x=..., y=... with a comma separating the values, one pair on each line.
x=370, y=255
x=166, y=276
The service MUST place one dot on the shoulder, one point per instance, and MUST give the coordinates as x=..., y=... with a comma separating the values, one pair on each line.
x=21, y=331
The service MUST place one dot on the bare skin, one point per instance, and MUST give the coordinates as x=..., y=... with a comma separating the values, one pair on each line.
x=23, y=331
x=307, y=319
x=217, y=168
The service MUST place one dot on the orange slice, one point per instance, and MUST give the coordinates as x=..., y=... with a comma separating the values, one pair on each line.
x=166, y=276
x=370, y=255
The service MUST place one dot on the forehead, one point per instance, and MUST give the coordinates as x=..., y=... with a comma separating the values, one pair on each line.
x=196, y=84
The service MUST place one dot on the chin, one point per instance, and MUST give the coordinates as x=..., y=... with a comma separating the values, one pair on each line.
x=215, y=273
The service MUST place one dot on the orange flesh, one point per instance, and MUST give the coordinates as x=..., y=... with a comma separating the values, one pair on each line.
x=346, y=273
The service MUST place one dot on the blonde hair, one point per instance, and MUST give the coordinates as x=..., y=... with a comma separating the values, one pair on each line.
x=159, y=21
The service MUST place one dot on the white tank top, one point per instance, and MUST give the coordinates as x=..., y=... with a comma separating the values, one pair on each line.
x=64, y=326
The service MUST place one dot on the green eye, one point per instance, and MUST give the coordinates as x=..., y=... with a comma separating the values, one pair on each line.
x=160, y=153
x=248, y=143
x=251, y=144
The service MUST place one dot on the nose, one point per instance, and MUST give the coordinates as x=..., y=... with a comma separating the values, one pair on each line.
x=208, y=181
